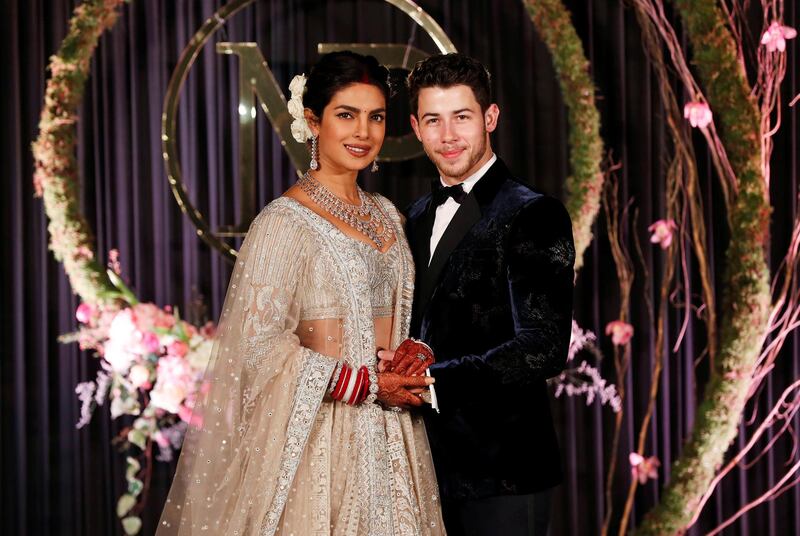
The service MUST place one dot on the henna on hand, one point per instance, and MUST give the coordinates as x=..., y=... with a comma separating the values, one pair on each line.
x=411, y=358
x=393, y=389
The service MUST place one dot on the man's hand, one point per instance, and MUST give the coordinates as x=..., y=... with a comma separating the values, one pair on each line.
x=411, y=358
x=397, y=390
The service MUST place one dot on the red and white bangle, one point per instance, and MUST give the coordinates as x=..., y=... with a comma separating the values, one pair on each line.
x=351, y=386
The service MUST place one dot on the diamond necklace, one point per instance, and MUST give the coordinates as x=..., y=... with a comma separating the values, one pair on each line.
x=366, y=218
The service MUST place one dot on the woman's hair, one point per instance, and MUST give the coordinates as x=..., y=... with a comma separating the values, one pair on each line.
x=338, y=70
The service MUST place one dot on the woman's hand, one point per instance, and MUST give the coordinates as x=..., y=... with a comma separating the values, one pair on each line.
x=396, y=390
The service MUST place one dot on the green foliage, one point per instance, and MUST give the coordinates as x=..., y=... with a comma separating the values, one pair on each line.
x=746, y=281
x=56, y=176
x=585, y=185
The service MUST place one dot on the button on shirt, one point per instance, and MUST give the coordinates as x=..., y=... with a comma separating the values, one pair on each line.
x=448, y=209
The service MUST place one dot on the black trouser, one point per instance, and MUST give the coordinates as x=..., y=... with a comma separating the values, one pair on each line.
x=506, y=515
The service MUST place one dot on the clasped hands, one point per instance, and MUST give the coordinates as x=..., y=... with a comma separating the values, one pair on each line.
x=401, y=374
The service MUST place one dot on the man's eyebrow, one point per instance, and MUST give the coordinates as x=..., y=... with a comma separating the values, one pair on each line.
x=454, y=112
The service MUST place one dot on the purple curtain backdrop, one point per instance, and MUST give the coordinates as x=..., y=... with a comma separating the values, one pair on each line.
x=56, y=479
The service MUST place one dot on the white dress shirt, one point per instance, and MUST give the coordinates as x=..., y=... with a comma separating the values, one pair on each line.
x=448, y=209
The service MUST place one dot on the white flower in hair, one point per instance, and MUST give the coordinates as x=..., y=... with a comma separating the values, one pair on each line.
x=300, y=130
x=296, y=107
x=298, y=85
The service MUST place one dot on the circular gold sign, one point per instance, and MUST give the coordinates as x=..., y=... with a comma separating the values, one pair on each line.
x=274, y=105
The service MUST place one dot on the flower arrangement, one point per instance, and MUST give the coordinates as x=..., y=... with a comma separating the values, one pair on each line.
x=151, y=368
x=584, y=185
x=56, y=177
x=152, y=364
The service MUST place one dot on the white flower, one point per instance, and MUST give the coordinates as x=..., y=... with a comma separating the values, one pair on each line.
x=300, y=130
x=168, y=397
x=298, y=85
x=118, y=356
x=139, y=375
x=296, y=108
x=126, y=406
x=123, y=330
x=199, y=356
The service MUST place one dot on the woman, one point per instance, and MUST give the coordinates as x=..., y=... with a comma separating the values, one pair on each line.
x=293, y=440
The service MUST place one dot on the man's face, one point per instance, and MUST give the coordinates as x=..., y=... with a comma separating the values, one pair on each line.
x=453, y=130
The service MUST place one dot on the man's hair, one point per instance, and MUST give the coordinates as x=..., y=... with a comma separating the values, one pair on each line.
x=448, y=70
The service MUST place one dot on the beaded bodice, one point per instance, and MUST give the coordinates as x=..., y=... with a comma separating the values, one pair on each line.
x=319, y=299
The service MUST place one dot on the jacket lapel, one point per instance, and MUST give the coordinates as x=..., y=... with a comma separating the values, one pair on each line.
x=468, y=214
x=421, y=238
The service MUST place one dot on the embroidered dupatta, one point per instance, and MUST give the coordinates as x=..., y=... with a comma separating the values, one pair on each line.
x=266, y=394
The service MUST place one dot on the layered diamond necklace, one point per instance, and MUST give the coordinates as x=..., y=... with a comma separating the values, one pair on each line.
x=366, y=218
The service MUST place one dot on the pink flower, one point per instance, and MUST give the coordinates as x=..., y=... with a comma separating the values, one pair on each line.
x=187, y=415
x=150, y=342
x=189, y=329
x=643, y=468
x=662, y=232
x=776, y=35
x=149, y=316
x=172, y=369
x=698, y=114
x=84, y=313
x=621, y=332
x=139, y=376
x=208, y=330
x=113, y=261
x=161, y=439
x=177, y=348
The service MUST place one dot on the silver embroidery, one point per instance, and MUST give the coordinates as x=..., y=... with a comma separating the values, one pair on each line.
x=311, y=386
x=358, y=278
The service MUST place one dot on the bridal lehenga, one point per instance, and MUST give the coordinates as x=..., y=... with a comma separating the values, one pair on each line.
x=274, y=453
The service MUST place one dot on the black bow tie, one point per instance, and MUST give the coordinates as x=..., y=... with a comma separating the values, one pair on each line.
x=441, y=193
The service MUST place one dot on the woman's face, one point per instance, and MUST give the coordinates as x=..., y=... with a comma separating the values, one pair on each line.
x=352, y=128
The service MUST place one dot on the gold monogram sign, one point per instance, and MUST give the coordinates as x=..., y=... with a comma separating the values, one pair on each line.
x=257, y=85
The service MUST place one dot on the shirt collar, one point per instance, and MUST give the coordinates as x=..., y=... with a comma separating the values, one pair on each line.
x=470, y=181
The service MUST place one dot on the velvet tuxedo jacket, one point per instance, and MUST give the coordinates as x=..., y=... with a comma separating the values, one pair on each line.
x=495, y=304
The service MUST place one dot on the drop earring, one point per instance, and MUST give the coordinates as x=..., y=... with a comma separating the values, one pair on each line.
x=375, y=166
x=314, y=164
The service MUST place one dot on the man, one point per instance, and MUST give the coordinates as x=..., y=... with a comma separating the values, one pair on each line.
x=494, y=263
